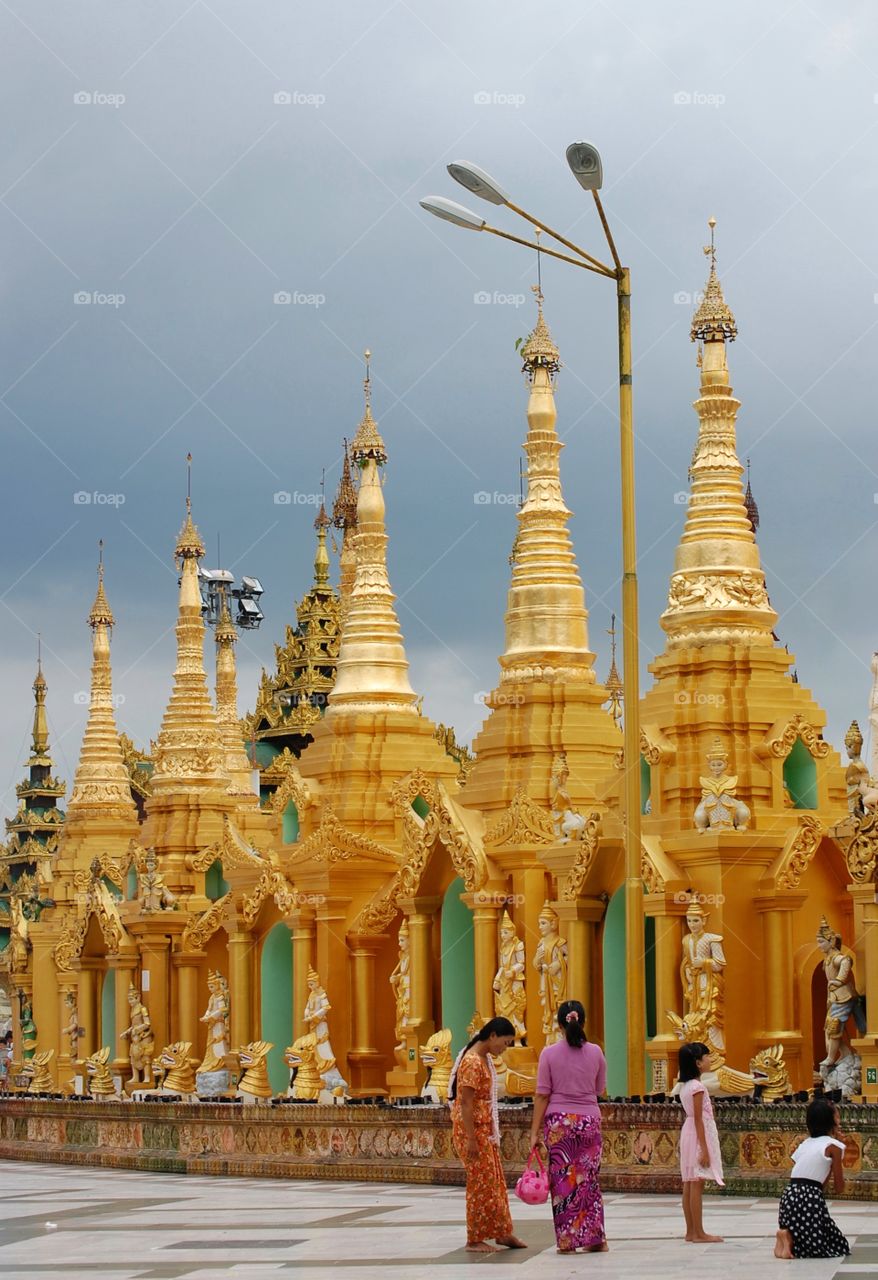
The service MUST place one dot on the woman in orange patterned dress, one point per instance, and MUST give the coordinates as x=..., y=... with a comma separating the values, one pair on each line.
x=473, y=1097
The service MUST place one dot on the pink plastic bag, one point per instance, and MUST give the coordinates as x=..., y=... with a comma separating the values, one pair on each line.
x=533, y=1185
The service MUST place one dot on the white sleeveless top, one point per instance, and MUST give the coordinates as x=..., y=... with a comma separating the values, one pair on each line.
x=810, y=1159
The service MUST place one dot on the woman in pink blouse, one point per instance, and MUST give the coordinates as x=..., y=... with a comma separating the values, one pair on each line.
x=571, y=1076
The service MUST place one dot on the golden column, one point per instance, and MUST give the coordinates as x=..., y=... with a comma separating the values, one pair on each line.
x=88, y=1004
x=185, y=1015
x=155, y=980
x=486, y=922
x=662, y=1048
x=420, y=913
x=779, y=978
x=304, y=931
x=365, y=1059
x=578, y=921
x=242, y=969
x=124, y=966
x=66, y=986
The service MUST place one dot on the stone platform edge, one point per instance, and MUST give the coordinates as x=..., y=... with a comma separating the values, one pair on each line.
x=370, y=1143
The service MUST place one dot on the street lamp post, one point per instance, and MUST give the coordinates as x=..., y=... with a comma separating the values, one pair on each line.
x=585, y=163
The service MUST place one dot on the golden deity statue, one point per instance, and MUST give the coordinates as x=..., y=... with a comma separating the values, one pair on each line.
x=510, y=997
x=550, y=961
x=843, y=1001
x=140, y=1039
x=567, y=822
x=317, y=1010
x=153, y=894
x=73, y=1030
x=718, y=809
x=702, y=974
x=401, y=985
x=217, y=1018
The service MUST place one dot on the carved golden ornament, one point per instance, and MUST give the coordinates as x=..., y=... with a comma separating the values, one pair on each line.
x=861, y=854
x=101, y=865
x=292, y=786
x=717, y=591
x=800, y=853
x=650, y=875
x=781, y=742
x=199, y=931
x=403, y=793
x=232, y=850
x=538, y=351
x=333, y=842
x=587, y=844
x=272, y=883
x=69, y=947
x=445, y=735
x=468, y=861
x=524, y=822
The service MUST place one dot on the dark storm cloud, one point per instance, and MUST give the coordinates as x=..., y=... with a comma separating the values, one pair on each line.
x=181, y=165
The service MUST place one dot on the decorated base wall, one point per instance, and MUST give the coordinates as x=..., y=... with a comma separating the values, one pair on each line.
x=373, y=1143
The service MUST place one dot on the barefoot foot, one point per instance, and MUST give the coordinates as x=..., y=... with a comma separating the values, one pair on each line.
x=511, y=1242
x=783, y=1245
x=481, y=1247
x=703, y=1238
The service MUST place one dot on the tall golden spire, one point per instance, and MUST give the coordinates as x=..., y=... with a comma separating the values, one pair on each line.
x=40, y=743
x=372, y=666
x=344, y=517
x=189, y=753
x=717, y=592
x=101, y=788
x=321, y=558
x=237, y=766
x=546, y=618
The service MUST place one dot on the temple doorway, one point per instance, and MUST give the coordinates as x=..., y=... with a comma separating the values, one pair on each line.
x=458, y=966
x=276, y=1001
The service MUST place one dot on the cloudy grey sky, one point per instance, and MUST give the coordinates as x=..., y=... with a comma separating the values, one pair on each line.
x=196, y=159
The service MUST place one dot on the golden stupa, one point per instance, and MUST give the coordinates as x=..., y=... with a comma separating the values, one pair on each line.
x=427, y=888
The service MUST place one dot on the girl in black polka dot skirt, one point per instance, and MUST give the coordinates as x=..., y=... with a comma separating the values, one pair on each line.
x=806, y=1229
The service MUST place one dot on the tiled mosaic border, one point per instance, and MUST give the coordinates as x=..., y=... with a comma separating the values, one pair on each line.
x=407, y=1145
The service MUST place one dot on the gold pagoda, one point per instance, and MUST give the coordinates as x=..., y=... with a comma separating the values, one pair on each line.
x=339, y=839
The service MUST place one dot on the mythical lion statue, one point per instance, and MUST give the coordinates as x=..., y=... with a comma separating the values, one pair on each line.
x=253, y=1084
x=98, y=1075
x=436, y=1054
x=301, y=1057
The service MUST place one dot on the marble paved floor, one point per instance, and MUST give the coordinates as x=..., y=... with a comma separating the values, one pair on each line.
x=111, y=1225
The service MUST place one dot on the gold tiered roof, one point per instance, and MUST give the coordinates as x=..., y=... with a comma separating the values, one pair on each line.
x=33, y=831
x=290, y=701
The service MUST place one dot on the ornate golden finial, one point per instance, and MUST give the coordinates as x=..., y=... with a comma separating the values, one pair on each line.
x=189, y=543
x=613, y=682
x=718, y=751
x=367, y=442
x=313, y=975
x=547, y=913
x=750, y=502
x=853, y=740
x=539, y=350
x=713, y=321
x=344, y=509
x=101, y=613
x=41, y=726
x=506, y=921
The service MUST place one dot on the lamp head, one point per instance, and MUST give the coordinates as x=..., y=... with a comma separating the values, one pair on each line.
x=478, y=182
x=585, y=164
x=450, y=211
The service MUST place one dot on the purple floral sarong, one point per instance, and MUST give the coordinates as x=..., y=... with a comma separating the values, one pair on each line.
x=574, y=1145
